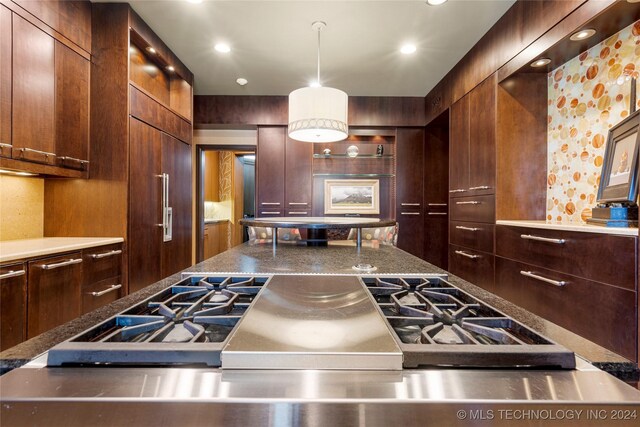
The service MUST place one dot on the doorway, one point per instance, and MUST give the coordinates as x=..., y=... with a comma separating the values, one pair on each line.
x=225, y=192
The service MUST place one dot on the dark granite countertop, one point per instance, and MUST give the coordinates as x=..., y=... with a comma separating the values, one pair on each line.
x=291, y=259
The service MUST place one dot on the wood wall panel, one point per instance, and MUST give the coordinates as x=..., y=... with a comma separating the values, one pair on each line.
x=72, y=19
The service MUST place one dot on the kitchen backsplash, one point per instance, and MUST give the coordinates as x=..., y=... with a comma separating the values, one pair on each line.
x=21, y=207
x=587, y=95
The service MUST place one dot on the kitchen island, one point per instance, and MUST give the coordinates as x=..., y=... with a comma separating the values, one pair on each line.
x=197, y=393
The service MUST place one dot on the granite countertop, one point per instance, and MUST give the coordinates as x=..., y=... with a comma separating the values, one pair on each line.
x=583, y=228
x=11, y=250
x=290, y=259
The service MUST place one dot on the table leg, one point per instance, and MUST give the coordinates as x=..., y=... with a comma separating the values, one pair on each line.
x=359, y=238
x=275, y=237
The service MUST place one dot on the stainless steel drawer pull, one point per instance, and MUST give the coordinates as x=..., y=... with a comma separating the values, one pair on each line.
x=436, y=213
x=409, y=204
x=295, y=203
x=44, y=153
x=270, y=213
x=437, y=204
x=460, y=227
x=299, y=213
x=3, y=145
x=558, y=283
x=409, y=213
x=73, y=159
x=106, y=254
x=472, y=202
x=466, y=255
x=12, y=273
x=61, y=264
x=481, y=187
x=106, y=291
x=543, y=239
x=270, y=204
x=457, y=190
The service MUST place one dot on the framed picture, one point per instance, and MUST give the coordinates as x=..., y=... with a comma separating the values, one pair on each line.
x=351, y=196
x=619, y=178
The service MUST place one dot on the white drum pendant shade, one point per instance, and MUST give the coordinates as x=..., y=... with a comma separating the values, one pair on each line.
x=318, y=114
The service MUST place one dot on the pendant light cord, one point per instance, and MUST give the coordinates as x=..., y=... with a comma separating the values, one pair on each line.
x=318, y=81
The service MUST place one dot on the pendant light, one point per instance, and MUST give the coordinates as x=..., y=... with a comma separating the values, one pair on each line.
x=318, y=114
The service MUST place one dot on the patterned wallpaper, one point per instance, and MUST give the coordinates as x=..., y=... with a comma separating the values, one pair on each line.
x=587, y=95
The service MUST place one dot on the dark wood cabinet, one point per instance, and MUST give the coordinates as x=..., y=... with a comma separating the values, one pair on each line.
x=145, y=210
x=459, y=148
x=474, y=266
x=482, y=137
x=33, y=108
x=54, y=292
x=176, y=164
x=72, y=108
x=5, y=81
x=409, y=190
x=298, y=175
x=101, y=276
x=270, y=171
x=435, y=175
x=13, y=305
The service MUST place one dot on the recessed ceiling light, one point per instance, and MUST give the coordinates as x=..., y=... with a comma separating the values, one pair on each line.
x=222, y=48
x=150, y=49
x=582, y=34
x=315, y=84
x=242, y=81
x=170, y=68
x=540, y=62
x=435, y=2
x=408, y=49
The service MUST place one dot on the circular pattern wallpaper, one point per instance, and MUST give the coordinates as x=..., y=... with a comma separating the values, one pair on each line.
x=586, y=96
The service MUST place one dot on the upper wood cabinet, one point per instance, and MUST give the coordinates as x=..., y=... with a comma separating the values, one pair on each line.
x=298, y=175
x=5, y=81
x=270, y=171
x=211, y=176
x=409, y=189
x=472, y=160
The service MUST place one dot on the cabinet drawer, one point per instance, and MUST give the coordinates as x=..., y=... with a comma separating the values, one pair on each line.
x=101, y=263
x=13, y=305
x=472, y=235
x=474, y=209
x=101, y=293
x=600, y=257
x=595, y=311
x=473, y=266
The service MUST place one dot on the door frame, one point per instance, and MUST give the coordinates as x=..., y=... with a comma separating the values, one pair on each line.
x=200, y=149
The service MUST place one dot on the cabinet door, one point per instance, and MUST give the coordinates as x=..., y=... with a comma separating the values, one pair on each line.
x=211, y=176
x=270, y=169
x=298, y=174
x=145, y=210
x=176, y=164
x=482, y=137
x=409, y=170
x=33, y=107
x=5, y=82
x=54, y=292
x=436, y=239
x=411, y=232
x=72, y=108
x=13, y=305
x=471, y=265
x=459, y=148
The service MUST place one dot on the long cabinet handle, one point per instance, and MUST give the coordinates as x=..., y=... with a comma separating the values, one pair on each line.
x=409, y=213
x=106, y=254
x=409, y=204
x=44, y=153
x=457, y=190
x=436, y=204
x=481, y=187
x=471, y=202
x=543, y=239
x=466, y=255
x=270, y=213
x=3, y=145
x=558, y=283
x=461, y=227
x=12, y=273
x=298, y=213
x=436, y=213
x=295, y=203
x=106, y=291
x=73, y=159
x=270, y=204
x=61, y=264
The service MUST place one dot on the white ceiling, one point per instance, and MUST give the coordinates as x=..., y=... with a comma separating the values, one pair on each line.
x=274, y=47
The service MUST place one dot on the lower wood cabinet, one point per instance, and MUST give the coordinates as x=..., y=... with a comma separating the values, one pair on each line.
x=601, y=313
x=215, y=238
x=411, y=231
x=13, y=305
x=54, y=292
x=102, y=276
x=473, y=266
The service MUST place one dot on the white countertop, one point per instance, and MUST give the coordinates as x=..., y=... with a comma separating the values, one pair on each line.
x=584, y=228
x=11, y=250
